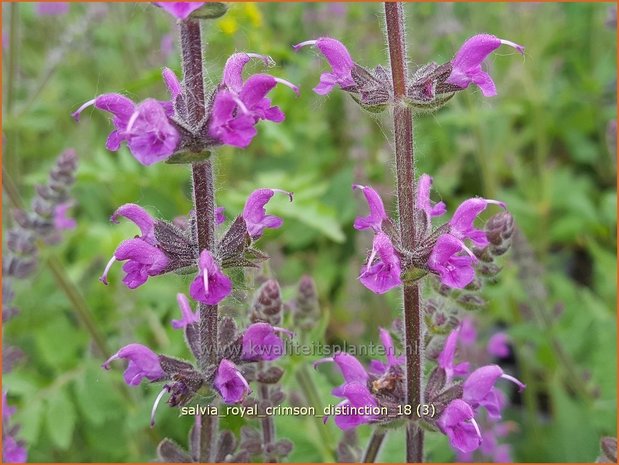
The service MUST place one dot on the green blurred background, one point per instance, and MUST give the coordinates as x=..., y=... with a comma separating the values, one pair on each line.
x=543, y=145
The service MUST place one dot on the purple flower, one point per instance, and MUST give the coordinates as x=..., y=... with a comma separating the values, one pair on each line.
x=457, y=422
x=61, y=220
x=261, y=342
x=220, y=217
x=352, y=370
x=180, y=10
x=468, y=333
x=146, y=127
x=479, y=389
x=424, y=185
x=383, y=275
x=144, y=258
x=340, y=61
x=150, y=135
x=188, y=317
x=255, y=215
x=230, y=383
x=461, y=224
x=377, y=214
x=13, y=451
x=498, y=345
x=357, y=397
x=210, y=286
x=239, y=104
x=446, y=357
x=380, y=368
x=455, y=270
x=143, y=363
x=52, y=8
x=466, y=65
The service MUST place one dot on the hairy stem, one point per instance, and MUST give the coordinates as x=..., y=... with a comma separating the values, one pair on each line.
x=204, y=208
x=378, y=436
x=405, y=168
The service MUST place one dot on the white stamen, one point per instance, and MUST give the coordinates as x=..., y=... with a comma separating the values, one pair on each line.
x=277, y=329
x=519, y=48
x=370, y=260
x=288, y=84
x=268, y=61
x=243, y=380
x=76, y=113
x=240, y=103
x=155, y=405
x=358, y=186
x=103, y=277
x=322, y=360
x=520, y=385
x=131, y=122
x=476, y=426
x=281, y=191
x=303, y=44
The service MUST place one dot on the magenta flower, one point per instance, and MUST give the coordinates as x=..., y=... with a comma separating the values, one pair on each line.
x=144, y=258
x=143, y=363
x=479, y=389
x=61, y=220
x=220, y=217
x=377, y=214
x=340, y=61
x=380, y=368
x=498, y=345
x=188, y=317
x=357, y=396
x=468, y=333
x=180, y=10
x=13, y=451
x=255, y=215
x=352, y=370
x=230, y=383
x=457, y=422
x=146, y=128
x=52, y=8
x=466, y=65
x=461, y=224
x=210, y=286
x=424, y=185
x=447, y=356
x=384, y=274
x=454, y=269
x=261, y=342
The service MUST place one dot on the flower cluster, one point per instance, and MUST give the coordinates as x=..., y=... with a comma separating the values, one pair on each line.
x=441, y=251
x=163, y=247
x=154, y=130
x=259, y=342
x=431, y=85
x=478, y=391
x=366, y=392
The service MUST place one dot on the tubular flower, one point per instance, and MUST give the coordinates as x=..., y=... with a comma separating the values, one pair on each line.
x=384, y=274
x=61, y=220
x=188, y=317
x=145, y=127
x=446, y=357
x=144, y=258
x=380, y=368
x=377, y=214
x=358, y=397
x=261, y=342
x=479, y=389
x=255, y=215
x=239, y=105
x=340, y=61
x=466, y=64
x=454, y=269
x=211, y=285
x=457, y=422
x=423, y=198
x=143, y=363
x=461, y=224
x=230, y=383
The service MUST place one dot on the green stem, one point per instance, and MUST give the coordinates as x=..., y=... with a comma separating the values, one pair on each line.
x=313, y=398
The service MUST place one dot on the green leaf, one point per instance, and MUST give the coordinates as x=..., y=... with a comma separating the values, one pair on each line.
x=60, y=418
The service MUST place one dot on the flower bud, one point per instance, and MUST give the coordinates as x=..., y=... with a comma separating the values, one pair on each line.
x=307, y=310
x=267, y=305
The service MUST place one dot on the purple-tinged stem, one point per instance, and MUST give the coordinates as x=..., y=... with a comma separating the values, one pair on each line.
x=378, y=436
x=204, y=208
x=405, y=168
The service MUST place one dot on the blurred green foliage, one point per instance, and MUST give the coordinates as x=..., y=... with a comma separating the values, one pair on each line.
x=541, y=145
